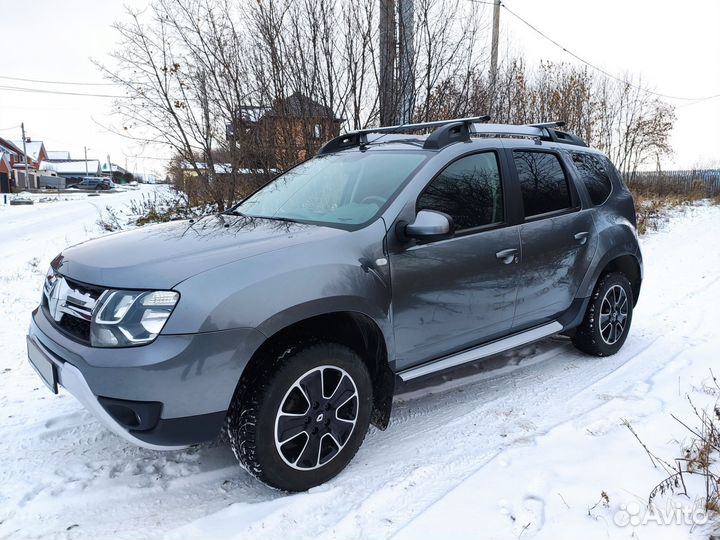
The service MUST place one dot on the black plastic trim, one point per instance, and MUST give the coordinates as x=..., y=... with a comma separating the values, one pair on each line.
x=573, y=315
x=184, y=431
x=448, y=134
x=134, y=415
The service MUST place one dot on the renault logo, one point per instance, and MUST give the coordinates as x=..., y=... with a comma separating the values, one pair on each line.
x=57, y=297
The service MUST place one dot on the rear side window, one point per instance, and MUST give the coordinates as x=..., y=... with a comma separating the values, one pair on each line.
x=469, y=190
x=594, y=176
x=543, y=183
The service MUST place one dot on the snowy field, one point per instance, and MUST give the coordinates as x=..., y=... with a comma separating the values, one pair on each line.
x=519, y=446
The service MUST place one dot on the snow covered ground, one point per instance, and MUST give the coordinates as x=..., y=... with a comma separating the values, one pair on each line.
x=521, y=445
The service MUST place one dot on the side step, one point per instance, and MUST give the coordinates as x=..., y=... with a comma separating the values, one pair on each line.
x=494, y=347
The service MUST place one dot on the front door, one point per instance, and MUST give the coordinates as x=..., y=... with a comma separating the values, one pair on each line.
x=451, y=294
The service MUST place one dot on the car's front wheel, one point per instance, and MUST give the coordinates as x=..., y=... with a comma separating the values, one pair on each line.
x=302, y=417
x=607, y=320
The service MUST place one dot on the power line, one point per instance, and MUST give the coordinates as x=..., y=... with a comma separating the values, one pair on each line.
x=138, y=157
x=74, y=83
x=690, y=103
x=58, y=92
x=596, y=68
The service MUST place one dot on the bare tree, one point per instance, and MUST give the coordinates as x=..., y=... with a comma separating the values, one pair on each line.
x=619, y=117
x=240, y=90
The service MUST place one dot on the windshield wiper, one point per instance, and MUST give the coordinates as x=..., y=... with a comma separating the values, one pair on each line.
x=234, y=212
x=277, y=218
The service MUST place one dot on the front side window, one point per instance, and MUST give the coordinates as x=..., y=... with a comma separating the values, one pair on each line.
x=469, y=190
x=336, y=189
x=543, y=184
x=594, y=176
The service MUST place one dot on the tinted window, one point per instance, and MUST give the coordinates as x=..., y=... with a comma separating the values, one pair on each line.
x=469, y=190
x=542, y=183
x=594, y=176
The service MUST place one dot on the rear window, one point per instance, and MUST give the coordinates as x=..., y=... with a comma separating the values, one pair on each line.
x=543, y=183
x=594, y=175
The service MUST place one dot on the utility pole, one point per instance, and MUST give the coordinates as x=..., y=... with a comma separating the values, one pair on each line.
x=407, y=59
x=110, y=166
x=86, y=167
x=25, y=158
x=388, y=44
x=494, y=46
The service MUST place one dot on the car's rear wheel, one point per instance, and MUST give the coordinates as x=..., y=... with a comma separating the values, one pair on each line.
x=607, y=320
x=302, y=418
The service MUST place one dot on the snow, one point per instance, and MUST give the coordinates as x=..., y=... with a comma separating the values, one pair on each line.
x=32, y=149
x=520, y=445
x=77, y=166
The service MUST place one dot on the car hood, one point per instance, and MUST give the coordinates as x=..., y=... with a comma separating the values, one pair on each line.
x=161, y=256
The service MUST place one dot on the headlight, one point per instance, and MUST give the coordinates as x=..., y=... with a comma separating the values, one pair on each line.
x=127, y=318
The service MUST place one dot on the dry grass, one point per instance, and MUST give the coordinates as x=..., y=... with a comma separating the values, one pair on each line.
x=700, y=458
x=655, y=200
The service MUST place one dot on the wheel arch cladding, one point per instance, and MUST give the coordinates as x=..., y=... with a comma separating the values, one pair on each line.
x=353, y=329
x=628, y=265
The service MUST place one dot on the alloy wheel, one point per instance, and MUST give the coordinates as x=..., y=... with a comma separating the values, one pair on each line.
x=316, y=417
x=613, y=314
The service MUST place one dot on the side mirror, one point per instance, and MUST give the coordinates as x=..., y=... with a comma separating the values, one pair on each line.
x=430, y=225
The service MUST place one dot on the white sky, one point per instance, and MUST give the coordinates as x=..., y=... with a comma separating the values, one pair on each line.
x=57, y=45
x=674, y=45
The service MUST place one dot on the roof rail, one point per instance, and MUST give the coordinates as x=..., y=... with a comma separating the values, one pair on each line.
x=450, y=131
x=547, y=131
x=550, y=125
x=560, y=136
x=455, y=130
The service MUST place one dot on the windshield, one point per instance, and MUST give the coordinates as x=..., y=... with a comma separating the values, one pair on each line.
x=344, y=189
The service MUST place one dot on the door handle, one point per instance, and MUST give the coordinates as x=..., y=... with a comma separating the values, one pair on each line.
x=507, y=256
x=582, y=237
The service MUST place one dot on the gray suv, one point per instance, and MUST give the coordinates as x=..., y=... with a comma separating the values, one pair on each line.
x=288, y=320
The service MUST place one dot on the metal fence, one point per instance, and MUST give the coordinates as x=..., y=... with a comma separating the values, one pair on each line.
x=678, y=182
x=26, y=183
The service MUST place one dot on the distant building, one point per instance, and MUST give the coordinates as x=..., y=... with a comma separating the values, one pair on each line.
x=58, y=155
x=12, y=152
x=35, y=152
x=291, y=130
x=73, y=171
x=112, y=168
x=5, y=173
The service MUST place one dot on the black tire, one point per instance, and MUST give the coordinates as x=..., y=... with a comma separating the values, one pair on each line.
x=254, y=419
x=607, y=320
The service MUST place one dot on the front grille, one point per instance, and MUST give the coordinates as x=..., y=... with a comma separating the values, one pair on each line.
x=69, y=305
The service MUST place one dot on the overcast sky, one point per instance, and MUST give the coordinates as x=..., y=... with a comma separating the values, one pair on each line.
x=674, y=45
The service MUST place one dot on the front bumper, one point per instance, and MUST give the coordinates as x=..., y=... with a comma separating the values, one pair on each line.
x=181, y=385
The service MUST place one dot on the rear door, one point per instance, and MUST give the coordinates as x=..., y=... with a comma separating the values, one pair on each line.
x=558, y=237
x=451, y=294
